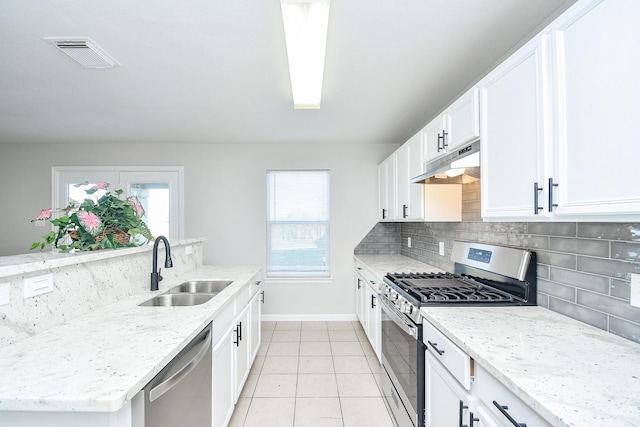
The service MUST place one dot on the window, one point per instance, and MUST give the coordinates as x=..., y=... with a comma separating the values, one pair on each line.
x=298, y=223
x=159, y=189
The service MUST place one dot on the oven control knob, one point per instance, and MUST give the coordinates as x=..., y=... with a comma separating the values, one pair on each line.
x=408, y=309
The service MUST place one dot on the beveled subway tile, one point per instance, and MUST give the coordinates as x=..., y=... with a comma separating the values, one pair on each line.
x=609, y=231
x=583, y=314
x=624, y=328
x=625, y=251
x=270, y=412
x=608, y=267
x=318, y=412
x=598, y=248
x=580, y=280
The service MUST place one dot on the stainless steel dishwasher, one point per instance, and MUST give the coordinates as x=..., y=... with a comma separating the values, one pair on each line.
x=180, y=395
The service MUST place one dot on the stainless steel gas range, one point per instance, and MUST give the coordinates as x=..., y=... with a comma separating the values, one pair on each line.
x=483, y=275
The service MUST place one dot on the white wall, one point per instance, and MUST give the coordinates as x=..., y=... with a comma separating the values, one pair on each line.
x=225, y=199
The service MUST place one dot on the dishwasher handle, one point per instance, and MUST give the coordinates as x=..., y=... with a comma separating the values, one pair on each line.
x=174, y=379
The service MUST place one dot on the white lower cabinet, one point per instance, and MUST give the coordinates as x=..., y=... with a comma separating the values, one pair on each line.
x=503, y=407
x=374, y=319
x=447, y=404
x=223, y=379
x=459, y=392
x=235, y=351
x=368, y=307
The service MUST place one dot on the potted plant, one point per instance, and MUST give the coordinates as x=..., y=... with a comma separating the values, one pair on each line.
x=110, y=222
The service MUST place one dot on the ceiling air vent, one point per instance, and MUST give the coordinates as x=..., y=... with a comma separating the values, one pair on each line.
x=84, y=51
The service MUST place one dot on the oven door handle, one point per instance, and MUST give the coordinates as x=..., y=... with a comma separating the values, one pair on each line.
x=408, y=329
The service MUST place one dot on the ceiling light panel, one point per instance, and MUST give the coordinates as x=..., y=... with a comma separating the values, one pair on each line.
x=305, y=29
x=84, y=51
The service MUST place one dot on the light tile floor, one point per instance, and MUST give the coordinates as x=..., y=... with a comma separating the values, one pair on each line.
x=313, y=374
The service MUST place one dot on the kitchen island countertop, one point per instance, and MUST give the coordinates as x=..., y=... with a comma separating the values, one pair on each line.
x=99, y=361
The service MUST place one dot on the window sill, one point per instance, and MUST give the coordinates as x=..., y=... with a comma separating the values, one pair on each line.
x=298, y=280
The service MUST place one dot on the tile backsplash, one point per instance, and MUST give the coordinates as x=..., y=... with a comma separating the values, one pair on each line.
x=584, y=269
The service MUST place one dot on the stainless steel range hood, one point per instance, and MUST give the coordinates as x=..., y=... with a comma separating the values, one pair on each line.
x=459, y=167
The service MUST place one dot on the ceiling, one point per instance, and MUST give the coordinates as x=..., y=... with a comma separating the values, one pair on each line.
x=215, y=71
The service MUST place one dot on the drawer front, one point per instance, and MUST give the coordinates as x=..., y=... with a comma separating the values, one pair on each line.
x=222, y=321
x=490, y=390
x=456, y=361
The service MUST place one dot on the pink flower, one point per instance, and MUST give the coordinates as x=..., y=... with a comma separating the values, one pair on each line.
x=45, y=214
x=90, y=222
x=137, y=206
x=101, y=186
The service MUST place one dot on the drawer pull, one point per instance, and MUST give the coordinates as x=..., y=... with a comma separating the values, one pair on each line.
x=472, y=419
x=461, y=414
x=503, y=410
x=435, y=347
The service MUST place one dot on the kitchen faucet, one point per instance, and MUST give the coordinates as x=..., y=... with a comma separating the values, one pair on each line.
x=155, y=273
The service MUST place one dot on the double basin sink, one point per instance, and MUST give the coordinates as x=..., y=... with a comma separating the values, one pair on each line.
x=194, y=292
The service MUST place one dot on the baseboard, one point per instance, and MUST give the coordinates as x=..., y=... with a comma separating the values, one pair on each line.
x=309, y=317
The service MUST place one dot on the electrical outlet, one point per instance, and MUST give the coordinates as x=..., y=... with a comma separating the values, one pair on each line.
x=409, y=241
x=5, y=296
x=188, y=250
x=635, y=290
x=441, y=248
x=38, y=285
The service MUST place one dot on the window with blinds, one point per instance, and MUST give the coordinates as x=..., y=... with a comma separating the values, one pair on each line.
x=298, y=223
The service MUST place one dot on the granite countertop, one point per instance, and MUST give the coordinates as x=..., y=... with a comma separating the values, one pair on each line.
x=98, y=362
x=570, y=373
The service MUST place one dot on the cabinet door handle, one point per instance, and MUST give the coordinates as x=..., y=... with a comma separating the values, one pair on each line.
x=359, y=285
x=237, y=340
x=444, y=139
x=262, y=297
x=435, y=347
x=373, y=301
x=551, y=186
x=404, y=211
x=240, y=333
x=503, y=410
x=439, y=138
x=384, y=213
x=536, y=196
x=473, y=420
x=461, y=414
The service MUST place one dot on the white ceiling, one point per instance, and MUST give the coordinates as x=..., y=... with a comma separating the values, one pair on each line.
x=215, y=71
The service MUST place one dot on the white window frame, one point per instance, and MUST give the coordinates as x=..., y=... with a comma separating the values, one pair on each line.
x=299, y=276
x=114, y=175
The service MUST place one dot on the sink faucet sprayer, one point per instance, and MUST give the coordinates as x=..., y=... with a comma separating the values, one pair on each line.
x=155, y=273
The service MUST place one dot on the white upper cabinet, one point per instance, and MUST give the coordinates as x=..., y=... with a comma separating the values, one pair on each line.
x=409, y=162
x=387, y=189
x=457, y=125
x=596, y=69
x=514, y=135
x=560, y=114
